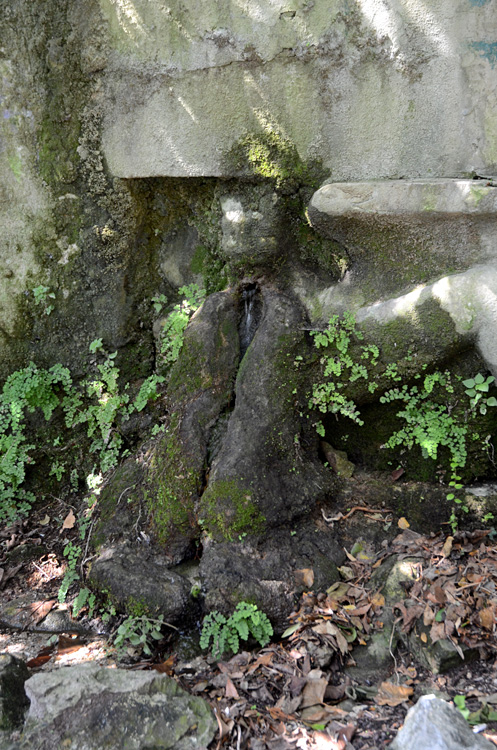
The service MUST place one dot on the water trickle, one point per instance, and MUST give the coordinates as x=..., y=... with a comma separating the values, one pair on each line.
x=250, y=316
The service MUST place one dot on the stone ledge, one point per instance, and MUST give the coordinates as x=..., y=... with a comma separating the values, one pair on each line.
x=406, y=197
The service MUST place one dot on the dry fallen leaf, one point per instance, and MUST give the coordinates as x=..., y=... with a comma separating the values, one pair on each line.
x=428, y=615
x=45, y=521
x=315, y=688
x=68, y=645
x=424, y=637
x=304, y=577
x=447, y=548
x=39, y=610
x=403, y=523
x=43, y=656
x=392, y=695
x=230, y=690
x=224, y=728
x=69, y=521
x=166, y=666
x=487, y=618
x=378, y=600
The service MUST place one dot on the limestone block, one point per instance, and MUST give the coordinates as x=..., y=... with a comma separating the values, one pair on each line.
x=90, y=707
x=435, y=724
x=376, y=89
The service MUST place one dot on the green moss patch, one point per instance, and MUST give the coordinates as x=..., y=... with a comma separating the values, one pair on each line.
x=228, y=510
x=172, y=487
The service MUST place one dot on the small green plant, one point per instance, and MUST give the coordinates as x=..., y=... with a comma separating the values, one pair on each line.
x=426, y=408
x=427, y=423
x=177, y=320
x=139, y=632
x=476, y=388
x=224, y=633
x=84, y=598
x=159, y=303
x=339, y=368
x=42, y=295
x=460, y=704
x=72, y=553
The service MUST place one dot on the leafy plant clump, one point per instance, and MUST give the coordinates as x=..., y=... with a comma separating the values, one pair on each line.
x=429, y=418
x=339, y=369
x=99, y=404
x=175, y=324
x=224, y=634
x=139, y=632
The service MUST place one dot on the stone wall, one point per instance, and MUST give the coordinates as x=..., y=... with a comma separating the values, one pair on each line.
x=248, y=92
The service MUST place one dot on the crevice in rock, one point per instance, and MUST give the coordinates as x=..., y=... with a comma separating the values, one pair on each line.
x=250, y=317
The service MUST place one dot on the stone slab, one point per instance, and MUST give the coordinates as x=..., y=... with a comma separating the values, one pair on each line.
x=375, y=90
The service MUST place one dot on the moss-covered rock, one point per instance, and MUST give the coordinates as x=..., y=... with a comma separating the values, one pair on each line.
x=269, y=451
x=226, y=511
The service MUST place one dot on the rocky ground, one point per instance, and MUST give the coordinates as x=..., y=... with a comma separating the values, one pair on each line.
x=415, y=615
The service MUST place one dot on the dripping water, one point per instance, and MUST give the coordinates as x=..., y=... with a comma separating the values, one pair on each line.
x=250, y=316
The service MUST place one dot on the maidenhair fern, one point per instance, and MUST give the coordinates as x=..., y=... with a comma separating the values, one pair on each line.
x=224, y=634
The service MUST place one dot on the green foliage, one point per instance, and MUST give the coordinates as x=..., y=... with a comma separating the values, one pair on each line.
x=24, y=391
x=427, y=411
x=340, y=368
x=476, y=388
x=224, y=633
x=159, y=303
x=428, y=423
x=138, y=631
x=99, y=404
x=84, y=598
x=72, y=553
x=460, y=704
x=42, y=295
x=175, y=324
x=148, y=392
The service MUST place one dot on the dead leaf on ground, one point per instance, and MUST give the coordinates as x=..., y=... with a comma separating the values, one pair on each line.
x=447, y=548
x=224, y=728
x=167, y=667
x=428, y=615
x=288, y=705
x=44, y=521
x=397, y=473
x=437, y=632
x=378, y=600
x=262, y=661
x=315, y=688
x=68, y=645
x=39, y=610
x=231, y=691
x=392, y=695
x=69, y=522
x=487, y=618
x=403, y=523
x=41, y=658
x=304, y=577
x=276, y=713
